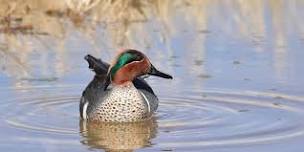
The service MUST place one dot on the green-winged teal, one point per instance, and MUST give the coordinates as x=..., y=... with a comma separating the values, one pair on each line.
x=119, y=93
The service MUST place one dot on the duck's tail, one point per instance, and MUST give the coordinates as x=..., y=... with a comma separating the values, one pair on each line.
x=97, y=65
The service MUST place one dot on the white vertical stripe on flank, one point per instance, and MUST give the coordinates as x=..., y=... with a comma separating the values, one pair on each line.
x=84, y=110
x=145, y=98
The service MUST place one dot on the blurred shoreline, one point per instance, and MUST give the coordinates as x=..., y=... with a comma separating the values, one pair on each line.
x=32, y=31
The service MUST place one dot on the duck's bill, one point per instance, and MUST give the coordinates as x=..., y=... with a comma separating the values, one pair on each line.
x=155, y=72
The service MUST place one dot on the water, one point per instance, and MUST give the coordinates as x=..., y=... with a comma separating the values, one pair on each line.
x=237, y=67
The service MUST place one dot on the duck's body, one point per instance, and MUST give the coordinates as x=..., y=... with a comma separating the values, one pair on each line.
x=119, y=104
x=129, y=98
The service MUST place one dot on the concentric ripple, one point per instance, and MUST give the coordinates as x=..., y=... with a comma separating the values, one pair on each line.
x=196, y=119
x=221, y=118
x=46, y=114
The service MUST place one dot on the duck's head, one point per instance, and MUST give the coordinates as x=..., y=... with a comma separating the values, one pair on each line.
x=130, y=64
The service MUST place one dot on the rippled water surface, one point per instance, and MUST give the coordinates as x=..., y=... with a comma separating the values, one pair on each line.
x=238, y=73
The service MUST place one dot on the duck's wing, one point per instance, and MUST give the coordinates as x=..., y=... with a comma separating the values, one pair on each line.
x=95, y=87
x=147, y=94
x=94, y=91
x=141, y=84
x=97, y=65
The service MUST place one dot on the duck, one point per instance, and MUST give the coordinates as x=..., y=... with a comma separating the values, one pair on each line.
x=118, y=91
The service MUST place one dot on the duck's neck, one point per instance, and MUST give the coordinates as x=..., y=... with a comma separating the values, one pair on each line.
x=123, y=76
x=123, y=84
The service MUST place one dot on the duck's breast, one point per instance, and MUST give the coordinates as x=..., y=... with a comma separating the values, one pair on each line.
x=122, y=104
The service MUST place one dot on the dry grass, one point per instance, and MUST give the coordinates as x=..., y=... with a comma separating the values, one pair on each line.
x=26, y=25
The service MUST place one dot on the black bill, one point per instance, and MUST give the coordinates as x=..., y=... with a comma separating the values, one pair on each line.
x=155, y=72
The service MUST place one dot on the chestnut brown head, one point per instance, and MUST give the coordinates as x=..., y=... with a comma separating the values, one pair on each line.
x=131, y=64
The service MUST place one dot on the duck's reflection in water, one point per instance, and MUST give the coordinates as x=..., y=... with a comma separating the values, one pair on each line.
x=118, y=136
